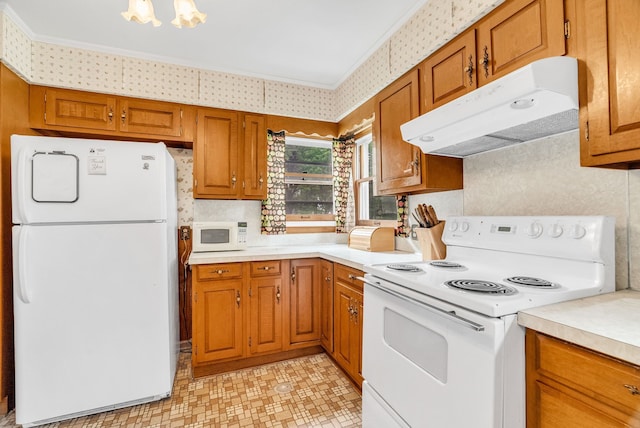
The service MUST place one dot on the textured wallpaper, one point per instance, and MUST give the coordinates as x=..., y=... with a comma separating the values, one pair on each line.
x=48, y=64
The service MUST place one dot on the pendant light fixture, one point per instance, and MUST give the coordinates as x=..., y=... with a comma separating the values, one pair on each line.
x=187, y=14
x=141, y=11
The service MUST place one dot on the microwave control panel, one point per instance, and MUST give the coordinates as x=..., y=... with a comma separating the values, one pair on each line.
x=242, y=232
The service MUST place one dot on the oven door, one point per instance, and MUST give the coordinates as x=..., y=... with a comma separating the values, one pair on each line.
x=434, y=364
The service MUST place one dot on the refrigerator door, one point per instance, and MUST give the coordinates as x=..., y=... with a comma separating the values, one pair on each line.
x=93, y=318
x=66, y=180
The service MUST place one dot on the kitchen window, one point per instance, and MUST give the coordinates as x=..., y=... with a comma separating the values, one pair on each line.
x=371, y=210
x=308, y=185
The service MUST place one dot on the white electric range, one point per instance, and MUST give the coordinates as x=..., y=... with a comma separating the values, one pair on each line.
x=441, y=343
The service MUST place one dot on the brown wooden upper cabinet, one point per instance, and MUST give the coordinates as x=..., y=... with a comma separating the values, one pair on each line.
x=402, y=167
x=64, y=111
x=517, y=33
x=449, y=73
x=223, y=138
x=609, y=82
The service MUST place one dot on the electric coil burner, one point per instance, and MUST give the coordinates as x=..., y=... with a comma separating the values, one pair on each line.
x=435, y=331
x=445, y=264
x=478, y=286
x=528, y=281
x=404, y=267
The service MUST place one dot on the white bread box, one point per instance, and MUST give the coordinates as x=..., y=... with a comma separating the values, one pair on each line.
x=372, y=238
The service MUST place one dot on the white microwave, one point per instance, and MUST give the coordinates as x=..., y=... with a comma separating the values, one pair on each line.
x=219, y=236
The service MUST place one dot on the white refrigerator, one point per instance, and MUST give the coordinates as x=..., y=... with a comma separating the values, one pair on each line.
x=95, y=275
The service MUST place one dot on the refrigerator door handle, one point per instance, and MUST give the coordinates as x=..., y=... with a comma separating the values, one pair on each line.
x=23, y=291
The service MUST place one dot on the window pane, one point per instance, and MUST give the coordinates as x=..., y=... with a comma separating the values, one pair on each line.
x=309, y=199
x=376, y=207
x=309, y=160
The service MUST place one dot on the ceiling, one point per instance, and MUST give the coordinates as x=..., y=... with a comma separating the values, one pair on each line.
x=315, y=43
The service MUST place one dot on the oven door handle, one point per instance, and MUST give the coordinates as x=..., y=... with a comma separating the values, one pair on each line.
x=452, y=314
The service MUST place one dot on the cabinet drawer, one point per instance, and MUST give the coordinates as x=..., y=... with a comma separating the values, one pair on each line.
x=267, y=267
x=592, y=374
x=347, y=275
x=218, y=271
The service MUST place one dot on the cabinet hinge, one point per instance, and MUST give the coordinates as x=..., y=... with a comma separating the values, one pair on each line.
x=244, y=125
x=249, y=341
x=586, y=132
x=196, y=349
x=567, y=29
x=180, y=113
x=249, y=292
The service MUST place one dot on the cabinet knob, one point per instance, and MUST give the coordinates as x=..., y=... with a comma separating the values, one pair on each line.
x=233, y=179
x=260, y=181
x=110, y=114
x=632, y=389
x=238, y=298
x=264, y=268
x=221, y=271
x=123, y=116
x=278, y=294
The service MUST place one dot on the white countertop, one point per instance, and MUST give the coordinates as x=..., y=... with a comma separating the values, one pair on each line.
x=608, y=323
x=339, y=253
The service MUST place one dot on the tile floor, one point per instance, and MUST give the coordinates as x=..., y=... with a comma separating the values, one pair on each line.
x=304, y=392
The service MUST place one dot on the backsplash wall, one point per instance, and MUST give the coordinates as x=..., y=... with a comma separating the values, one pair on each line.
x=544, y=177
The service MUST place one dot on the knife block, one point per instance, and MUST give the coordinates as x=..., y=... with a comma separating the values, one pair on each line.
x=431, y=244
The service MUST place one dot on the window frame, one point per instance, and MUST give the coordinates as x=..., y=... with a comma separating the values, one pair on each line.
x=358, y=168
x=296, y=219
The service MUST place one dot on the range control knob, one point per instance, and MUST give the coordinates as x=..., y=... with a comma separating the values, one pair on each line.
x=453, y=226
x=555, y=230
x=464, y=226
x=534, y=230
x=577, y=231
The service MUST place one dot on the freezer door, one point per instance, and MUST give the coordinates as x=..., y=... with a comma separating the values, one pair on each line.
x=66, y=180
x=94, y=317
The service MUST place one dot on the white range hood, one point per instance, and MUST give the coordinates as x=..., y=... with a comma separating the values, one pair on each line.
x=535, y=101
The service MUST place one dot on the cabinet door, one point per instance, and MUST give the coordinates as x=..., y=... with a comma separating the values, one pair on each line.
x=610, y=104
x=304, y=301
x=346, y=337
x=266, y=314
x=449, y=73
x=76, y=109
x=217, y=320
x=326, y=305
x=216, y=172
x=398, y=162
x=254, y=149
x=150, y=117
x=570, y=386
x=518, y=33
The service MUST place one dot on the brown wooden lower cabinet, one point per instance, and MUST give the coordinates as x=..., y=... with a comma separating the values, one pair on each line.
x=570, y=386
x=347, y=324
x=242, y=313
x=326, y=305
x=304, y=301
x=251, y=313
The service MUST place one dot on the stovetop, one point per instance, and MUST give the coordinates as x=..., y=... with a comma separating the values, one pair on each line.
x=521, y=271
